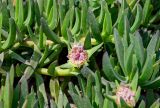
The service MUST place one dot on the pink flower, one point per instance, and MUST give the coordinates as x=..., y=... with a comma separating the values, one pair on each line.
x=77, y=55
x=126, y=94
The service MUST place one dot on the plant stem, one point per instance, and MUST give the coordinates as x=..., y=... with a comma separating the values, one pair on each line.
x=59, y=71
x=30, y=43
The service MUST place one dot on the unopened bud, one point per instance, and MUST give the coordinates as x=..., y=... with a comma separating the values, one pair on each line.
x=126, y=94
x=78, y=56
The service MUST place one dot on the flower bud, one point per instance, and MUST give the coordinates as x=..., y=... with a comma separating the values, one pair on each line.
x=126, y=94
x=77, y=55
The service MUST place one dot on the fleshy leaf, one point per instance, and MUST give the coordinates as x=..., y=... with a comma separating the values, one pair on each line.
x=93, y=50
x=108, y=69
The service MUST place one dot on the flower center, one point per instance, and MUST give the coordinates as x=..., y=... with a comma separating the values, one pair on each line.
x=126, y=94
x=78, y=55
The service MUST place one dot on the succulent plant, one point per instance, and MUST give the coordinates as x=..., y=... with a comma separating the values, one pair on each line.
x=79, y=53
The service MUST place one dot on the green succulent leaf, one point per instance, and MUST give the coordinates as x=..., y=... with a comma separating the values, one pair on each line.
x=107, y=23
x=18, y=57
x=134, y=82
x=119, y=49
x=84, y=23
x=53, y=104
x=38, y=7
x=1, y=28
x=138, y=19
x=61, y=13
x=34, y=62
x=65, y=24
x=49, y=54
x=93, y=50
x=30, y=15
x=152, y=84
x=23, y=92
x=5, y=15
x=108, y=69
x=12, y=35
x=156, y=104
x=147, y=70
x=98, y=90
x=29, y=101
x=1, y=58
x=54, y=89
x=60, y=99
x=142, y=104
x=41, y=87
x=82, y=84
x=89, y=86
x=81, y=102
x=16, y=95
x=8, y=93
x=112, y=98
x=19, y=15
x=40, y=99
x=50, y=34
x=87, y=42
x=101, y=13
x=123, y=103
x=53, y=16
x=137, y=94
x=108, y=103
x=94, y=26
x=128, y=59
x=152, y=44
x=138, y=47
x=32, y=35
x=77, y=24
x=121, y=22
x=146, y=10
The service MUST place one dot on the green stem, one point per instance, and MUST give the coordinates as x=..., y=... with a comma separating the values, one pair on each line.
x=59, y=71
x=30, y=43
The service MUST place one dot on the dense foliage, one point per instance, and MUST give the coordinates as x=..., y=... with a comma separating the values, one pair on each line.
x=79, y=53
